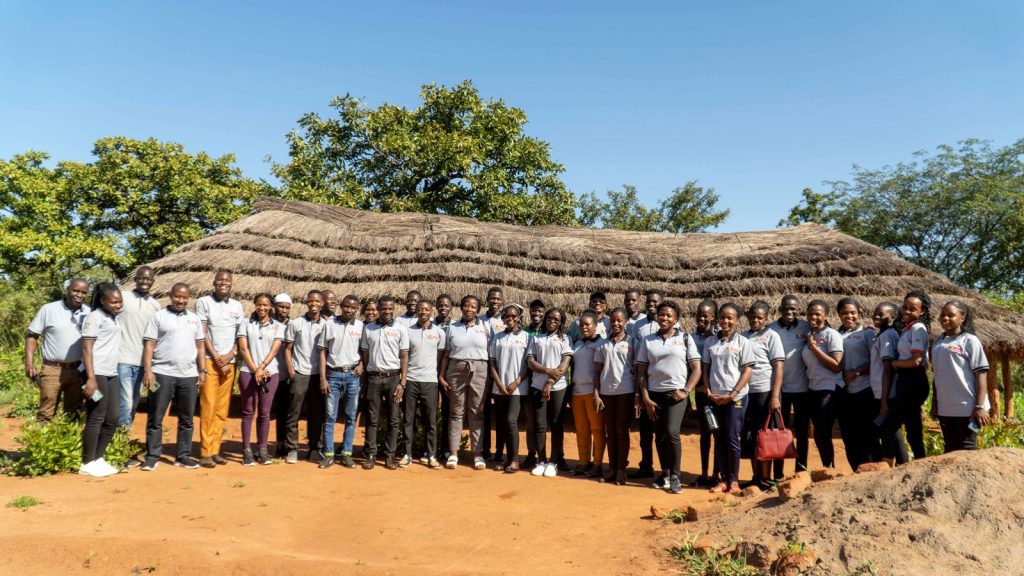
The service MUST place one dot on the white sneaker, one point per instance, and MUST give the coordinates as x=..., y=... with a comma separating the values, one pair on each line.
x=551, y=470
x=452, y=463
x=86, y=469
x=104, y=468
x=539, y=469
x=424, y=459
x=479, y=463
x=405, y=461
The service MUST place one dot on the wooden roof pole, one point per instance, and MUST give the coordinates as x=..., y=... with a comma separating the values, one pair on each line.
x=993, y=386
x=1007, y=388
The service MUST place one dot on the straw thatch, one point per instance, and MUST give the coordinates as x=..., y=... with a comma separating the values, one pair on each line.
x=294, y=247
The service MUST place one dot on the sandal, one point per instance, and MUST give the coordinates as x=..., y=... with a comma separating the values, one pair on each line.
x=719, y=488
x=734, y=488
x=512, y=468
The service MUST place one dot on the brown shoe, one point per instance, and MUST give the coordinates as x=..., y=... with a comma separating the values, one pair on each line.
x=219, y=460
x=207, y=462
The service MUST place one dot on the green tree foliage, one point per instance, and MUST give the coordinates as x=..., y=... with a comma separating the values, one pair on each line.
x=690, y=208
x=137, y=201
x=959, y=212
x=455, y=154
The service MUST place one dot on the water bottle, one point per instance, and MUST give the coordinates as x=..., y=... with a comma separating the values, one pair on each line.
x=709, y=416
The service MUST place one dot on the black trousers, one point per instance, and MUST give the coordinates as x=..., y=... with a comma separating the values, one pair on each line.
x=282, y=400
x=423, y=394
x=856, y=414
x=956, y=434
x=646, y=427
x=905, y=410
x=618, y=412
x=823, y=416
x=305, y=389
x=670, y=419
x=101, y=418
x=797, y=412
x=184, y=392
x=547, y=414
x=705, y=438
x=380, y=394
x=509, y=408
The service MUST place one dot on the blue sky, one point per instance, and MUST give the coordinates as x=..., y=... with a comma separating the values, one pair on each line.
x=757, y=99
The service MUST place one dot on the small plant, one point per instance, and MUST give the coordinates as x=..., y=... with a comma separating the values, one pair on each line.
x=865, y=569
x=701, y=562
x=122, y=448
x=238, y=484
x=49, y=448
x=24, y=502
x=793, y=547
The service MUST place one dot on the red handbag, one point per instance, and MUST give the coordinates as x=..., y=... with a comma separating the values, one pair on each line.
x=777, y=443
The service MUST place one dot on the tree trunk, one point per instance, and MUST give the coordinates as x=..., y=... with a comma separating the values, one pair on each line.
x=1007, y=388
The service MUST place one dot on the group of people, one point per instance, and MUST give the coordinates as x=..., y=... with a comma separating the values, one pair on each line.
x=609, y=367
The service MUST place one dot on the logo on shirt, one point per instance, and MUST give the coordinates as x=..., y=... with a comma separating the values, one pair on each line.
x=355, y=333
x=479, y=330
x=622, y=346
x=432, y=336
x=393, y=334
x=760, y=339
x=955, y=349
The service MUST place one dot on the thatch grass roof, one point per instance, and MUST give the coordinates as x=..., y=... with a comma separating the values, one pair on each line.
x=294, y=247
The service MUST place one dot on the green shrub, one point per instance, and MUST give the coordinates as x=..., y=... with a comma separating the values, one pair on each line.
x=697, y=562
x=21, y=400
x=49, y=448
x=122, y=448
x=24, y=502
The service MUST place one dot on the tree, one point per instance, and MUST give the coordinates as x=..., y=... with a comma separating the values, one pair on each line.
x=455, y=154
x=690, y=208
x=959, y=212
x=135, y=203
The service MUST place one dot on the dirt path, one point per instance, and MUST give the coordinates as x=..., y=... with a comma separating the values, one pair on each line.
x=302, y=520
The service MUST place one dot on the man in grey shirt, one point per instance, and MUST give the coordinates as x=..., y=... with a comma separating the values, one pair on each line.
x=139, y=307
x=385, y=351
x=426, y=345
x=59, y=324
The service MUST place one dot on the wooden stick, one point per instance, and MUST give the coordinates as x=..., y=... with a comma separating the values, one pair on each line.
x=993, y=387
x=1007, y=389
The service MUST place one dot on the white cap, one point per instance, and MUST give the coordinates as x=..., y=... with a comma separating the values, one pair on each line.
x=282, y=299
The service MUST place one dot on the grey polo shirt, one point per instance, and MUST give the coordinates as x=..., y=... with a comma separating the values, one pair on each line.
x=767, y=349
x=818, y=376
x=955, y=362
x=583, y=376
x=508, y=350
x=616, y=358
x=548, y=350
x=383, y=345
x=883, y=348
x=260, y=339
x=175, y=336
x=222, y=318
x=495, y=324
x=468, y=341
x=341, y=341
x=857, y=353
x=794, y=338
x=913, y=339
x=105, y=331
x=407, y=321
x=725, y=360
x=133, y=319
x=667, y=359
x=61, y=331
x=603, y=327
x=424, y=346
x=304, y=335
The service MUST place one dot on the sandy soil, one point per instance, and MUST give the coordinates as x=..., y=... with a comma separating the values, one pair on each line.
x=297, y=519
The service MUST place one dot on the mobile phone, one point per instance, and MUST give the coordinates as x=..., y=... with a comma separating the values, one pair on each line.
x=879, y=420
x=96, y=395
x=973, y=426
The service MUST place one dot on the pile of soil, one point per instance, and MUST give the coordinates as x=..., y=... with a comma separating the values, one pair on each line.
x=960, y=513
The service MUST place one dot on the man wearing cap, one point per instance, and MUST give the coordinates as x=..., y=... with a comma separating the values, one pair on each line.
x=59, y=324
x=139, y=307
x=220, y=315
x=282, y=313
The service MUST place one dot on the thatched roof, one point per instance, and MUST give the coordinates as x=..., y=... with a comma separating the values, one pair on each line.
x=294, y=247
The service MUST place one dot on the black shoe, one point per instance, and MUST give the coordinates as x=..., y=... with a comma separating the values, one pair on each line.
x=149, y=465
x=327, y=461
x=486, y=454
x=369, y=464
x=263, y=456
x=390, y=464
x=701, y=481
x=207, y=462
x=347, y=461
x=247, y=459
x=281, y=451
x=187, y=462
x=529, y=463
x=314, y=456
x=642, y=472
x=219, y=460
x=662, y=483
x=562, y=464
x=674, y=486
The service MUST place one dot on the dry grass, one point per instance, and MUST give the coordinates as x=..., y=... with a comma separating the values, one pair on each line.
x=294, y=247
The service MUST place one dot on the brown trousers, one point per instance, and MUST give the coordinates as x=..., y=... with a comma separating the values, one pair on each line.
x=55, y=382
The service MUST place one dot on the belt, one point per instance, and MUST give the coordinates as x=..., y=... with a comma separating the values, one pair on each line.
x=384, y=373
x=60, y=364
x=341, y=368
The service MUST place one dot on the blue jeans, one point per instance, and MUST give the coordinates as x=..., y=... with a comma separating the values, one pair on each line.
x=342, y=390
x=130, y=378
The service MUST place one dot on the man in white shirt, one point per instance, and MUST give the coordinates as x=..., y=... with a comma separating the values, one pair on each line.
x=59, y=324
